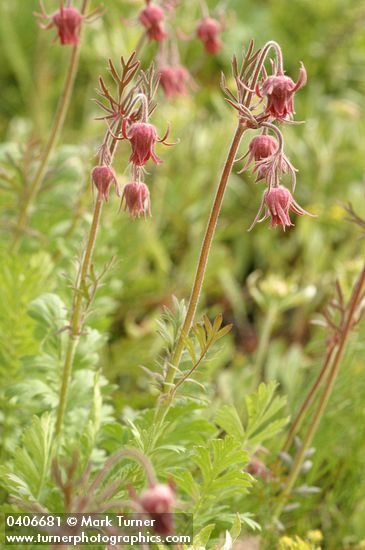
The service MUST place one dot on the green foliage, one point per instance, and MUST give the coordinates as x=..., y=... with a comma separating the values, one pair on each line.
x=261, y=422
x=205, y=442
x=29, y=471
x=220, y=479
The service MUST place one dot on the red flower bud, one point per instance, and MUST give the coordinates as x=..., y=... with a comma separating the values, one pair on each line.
x=258, y=469
x=262, y=146
x=279, y=90
x=208, y=31
x=143, y=137
x=277, y=202
x=152, y=18
x=137, y=199
x=158, y=500
x=68, y=22
x=103, y=177
x=173, y=81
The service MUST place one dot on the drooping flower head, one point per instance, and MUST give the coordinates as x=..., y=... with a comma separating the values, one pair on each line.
x=262, y=146
x=208, y=31
x=143, y=137
x=277, y=202
x=264, y=150
x=67, y=20
x=158, y=500
x=258, y=469
x=173, y=80
x=279, y=90
x=103, y=176
x=152, y=18
x=136, y=197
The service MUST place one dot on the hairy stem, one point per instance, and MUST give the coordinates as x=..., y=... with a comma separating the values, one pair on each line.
x=140, y=44
x=76, y=316
x=355, y=300
x=36, y=183
x=212, y=223
x=308, y=401
x=203, y=258
x=264, y=343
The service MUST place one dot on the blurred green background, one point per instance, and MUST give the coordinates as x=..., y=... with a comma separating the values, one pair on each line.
x=156, y=258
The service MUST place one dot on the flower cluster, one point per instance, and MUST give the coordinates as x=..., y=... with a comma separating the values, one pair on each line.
x=156, y=17
x=265, y=153
x=127, y=117
x=142, y=137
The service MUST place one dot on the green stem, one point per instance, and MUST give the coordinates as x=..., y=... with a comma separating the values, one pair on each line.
x=203, y=258
x=356, y=298
x=36, y=183
x=77, y=316
x=141, y=42
x=308, y=401
x=264, y=342
x=77, y=320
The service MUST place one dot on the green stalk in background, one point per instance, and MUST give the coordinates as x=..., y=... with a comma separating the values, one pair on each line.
x=351, y=319
x=32, y=190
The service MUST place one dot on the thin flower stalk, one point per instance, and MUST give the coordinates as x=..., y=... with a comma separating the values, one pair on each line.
x=352, y=318
x=76, y=317
x=333, y=330
x=58, y=123
x=295, y=426
x=132, y=105
x=204, y=256
x=246, y=79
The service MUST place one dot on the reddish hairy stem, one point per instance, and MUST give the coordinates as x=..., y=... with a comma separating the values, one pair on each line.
x=308, y=401
x=356, y=298
x=212, y=222
x=260, y=63
x=203, y=258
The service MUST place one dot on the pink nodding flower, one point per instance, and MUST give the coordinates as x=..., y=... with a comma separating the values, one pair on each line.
x=152, y=18
x=103, y=177
x=260, y=147
x=68, y=22
x=136, y=197
x=158, y=501
x=277, y=202
x=279, y=90
x=143, y=137
x=173, y=81
x=258, y=469
x=208, y=31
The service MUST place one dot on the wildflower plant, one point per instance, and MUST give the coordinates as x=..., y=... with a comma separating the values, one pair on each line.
x=128, y=111
x=68, y=20
x=183, y=445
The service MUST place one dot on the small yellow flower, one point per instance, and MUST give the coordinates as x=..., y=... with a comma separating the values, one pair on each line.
x=315, y=536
